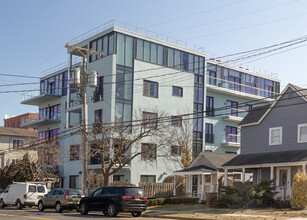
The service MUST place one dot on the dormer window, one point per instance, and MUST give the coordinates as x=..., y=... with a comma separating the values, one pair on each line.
x=275, y=136
x=302, y=133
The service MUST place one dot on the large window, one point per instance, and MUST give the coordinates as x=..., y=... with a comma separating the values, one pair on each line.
x=175, y=150
x=149, y=151
x=119, y=178
x=55, y=85
x=209, y=133
x=240, y=81
x=98, y=93
x=50, y=135
x=177, y=91
x=302, y=133
x=53, y=112
x=150, y=89
x=16, y=144
x=275, y=136
x=148, y=179
x=105, y=44
x=232, y=108
x=209, y=106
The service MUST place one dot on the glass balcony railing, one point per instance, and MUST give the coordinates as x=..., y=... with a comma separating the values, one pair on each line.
x=231, y=140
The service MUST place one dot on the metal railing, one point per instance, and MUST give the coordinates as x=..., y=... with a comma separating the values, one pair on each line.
x=231, y=138
x=138, y=30
x=29, y=95
x=61, y=66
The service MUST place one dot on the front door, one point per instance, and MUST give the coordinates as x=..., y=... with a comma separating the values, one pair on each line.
x=283, y=181
x=194, y=185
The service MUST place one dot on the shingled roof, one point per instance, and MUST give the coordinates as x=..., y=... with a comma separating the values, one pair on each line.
x=268, y=158
x=7, y=131
x=254, y=115
x=208, y=161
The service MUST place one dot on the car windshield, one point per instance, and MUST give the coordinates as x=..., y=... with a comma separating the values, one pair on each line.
x=134, y=192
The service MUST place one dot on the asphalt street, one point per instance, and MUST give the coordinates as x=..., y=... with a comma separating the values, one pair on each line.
x=10, y=213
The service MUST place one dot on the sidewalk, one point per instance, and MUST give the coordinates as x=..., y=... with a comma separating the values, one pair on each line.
x=208, y=213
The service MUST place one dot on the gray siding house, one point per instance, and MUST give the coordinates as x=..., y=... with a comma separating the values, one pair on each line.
x=274, y=141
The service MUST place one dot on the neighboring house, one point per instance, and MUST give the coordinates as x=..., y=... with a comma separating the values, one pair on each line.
x=14, y=143
x=19, y=120
x=274, y=141
x=140, y=72
x=205, y=174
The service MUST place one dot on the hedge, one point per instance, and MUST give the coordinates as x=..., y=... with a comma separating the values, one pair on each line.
x=172, y=200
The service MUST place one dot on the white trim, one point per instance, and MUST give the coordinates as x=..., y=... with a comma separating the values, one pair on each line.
x=300, y=163
x=280, y=136
x=299, y=133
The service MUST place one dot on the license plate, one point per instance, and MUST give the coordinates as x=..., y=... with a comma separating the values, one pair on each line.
x=137, y=198
x=39, y=197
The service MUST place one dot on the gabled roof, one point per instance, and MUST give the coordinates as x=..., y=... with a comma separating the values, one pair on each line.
x=20, y=132
x=259, y=113
x=268, y=158
x=209, y=161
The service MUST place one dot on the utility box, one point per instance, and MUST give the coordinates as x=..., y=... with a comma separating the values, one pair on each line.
x=92, y=78
x=74, y=76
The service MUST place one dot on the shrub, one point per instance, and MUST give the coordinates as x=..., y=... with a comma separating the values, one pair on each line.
x=156, y=201
x=181, y=200
x=299, y=191
x=244, y=195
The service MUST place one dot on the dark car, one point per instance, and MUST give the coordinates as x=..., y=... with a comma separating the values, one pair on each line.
x=114, y=199
x=60, y=199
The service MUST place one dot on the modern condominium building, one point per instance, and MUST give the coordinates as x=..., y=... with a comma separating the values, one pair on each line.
x=145, y=72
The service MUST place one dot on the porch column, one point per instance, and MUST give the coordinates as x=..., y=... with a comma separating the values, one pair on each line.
x=272, y=173
x=243, y=175
x=174, y=193
x=304, y=168
x=202, y=187
x=226, y=177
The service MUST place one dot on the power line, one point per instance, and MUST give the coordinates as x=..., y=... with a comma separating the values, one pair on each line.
x=22, y=76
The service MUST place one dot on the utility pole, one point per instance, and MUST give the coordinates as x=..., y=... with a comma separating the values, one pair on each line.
x=83, y=52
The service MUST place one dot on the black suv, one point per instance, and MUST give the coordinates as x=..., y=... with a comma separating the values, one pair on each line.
x=114, y=199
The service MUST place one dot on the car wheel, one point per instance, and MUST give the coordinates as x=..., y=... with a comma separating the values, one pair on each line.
x=105, y=212
x=83, y=208
x=19, y=205
x=40, y=206
x=136, y=214
x=58, y=207
x=112, y=212
x=2, y=204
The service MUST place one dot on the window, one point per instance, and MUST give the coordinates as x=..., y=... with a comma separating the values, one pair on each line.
x=149, y=152
x=209, y=133
x=150, y=89
x=177, y=91
x=302, y=133
x=150, y=120
x=209, y=106
x=177, y=121
x=53, y=112
x=207, y=179
x=16, y=144
x=95, y=154
x=119, y=178
x=212, y=78
x=232, y=108
x=248, y=107
x=32, y=188
x=41, y=189
x=148, y=179
x=231, y=134
x=74, y=152
x=98, y=116
x=230, y=152
x=74, y=182
x=175, y=150
x=275, y=136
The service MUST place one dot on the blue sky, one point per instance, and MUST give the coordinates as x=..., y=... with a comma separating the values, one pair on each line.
x=34, y=32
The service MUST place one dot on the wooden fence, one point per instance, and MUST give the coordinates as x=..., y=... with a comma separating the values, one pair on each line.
x=154, y=190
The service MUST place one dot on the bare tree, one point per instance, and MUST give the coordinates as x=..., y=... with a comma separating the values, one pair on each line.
x=117, y=145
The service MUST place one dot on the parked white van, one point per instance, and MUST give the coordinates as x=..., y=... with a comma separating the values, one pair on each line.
x=22, y=194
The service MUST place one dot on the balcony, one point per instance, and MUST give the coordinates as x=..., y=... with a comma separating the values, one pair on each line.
x=231, y=140
x=35, y=98
x=75, y=106
x=36, y=123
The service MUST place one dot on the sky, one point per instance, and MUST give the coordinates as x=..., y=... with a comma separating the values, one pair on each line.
x=34, y=32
